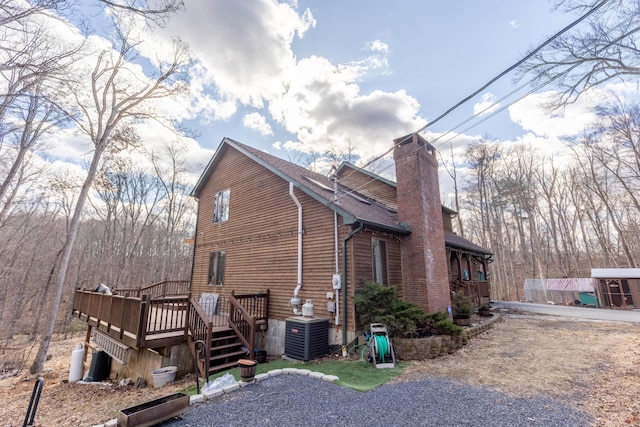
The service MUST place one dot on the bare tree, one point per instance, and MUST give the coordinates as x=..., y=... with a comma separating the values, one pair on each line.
x=453, y=173
x=177, y=202
x=32, y=67
x=107, y=118
x=156, y=12
x=583, y=58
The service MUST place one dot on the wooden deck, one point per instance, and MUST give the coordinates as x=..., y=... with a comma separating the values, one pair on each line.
x=135, y=322
x=146, y=322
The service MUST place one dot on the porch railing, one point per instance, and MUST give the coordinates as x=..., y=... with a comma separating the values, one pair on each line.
x=162, y=289
x=479, y=291
x=130, y=320
x=248, y=312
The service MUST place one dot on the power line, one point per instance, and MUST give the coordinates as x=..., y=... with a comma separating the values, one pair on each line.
x=494, y=79
x=489, y=83
x=517, y=64
x=493, y=113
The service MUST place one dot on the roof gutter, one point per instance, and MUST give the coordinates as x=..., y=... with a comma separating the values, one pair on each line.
x=344, y=281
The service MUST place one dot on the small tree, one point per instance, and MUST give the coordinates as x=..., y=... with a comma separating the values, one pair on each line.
x=461, y=306
x=381, y=304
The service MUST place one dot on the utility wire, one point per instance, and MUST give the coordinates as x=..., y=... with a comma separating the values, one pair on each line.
x=493, y=113
x=533, y=90
x=517, y=64
x=486, y=85
x=494, y=79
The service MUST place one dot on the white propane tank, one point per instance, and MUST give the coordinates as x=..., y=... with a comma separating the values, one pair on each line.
x=307, y=309
x=75, y=369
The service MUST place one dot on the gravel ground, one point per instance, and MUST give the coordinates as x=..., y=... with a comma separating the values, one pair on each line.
x=294, y=400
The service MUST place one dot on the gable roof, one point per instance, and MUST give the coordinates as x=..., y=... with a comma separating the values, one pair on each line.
x=353, y=207
x=347, y=168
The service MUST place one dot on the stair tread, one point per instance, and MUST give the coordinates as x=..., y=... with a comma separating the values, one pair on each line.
x=230, y=337
x=224, y=334
x=226, y=346
x=225, y=355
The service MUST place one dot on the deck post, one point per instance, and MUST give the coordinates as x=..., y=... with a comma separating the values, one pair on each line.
x=142, y=321
x=87, y=341
x=186, y=318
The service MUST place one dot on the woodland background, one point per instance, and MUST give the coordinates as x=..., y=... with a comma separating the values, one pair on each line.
x=126, y=219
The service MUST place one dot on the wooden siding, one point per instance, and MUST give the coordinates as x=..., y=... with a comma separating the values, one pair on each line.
x=369, y=187
x=361, y=265
x=260, y=238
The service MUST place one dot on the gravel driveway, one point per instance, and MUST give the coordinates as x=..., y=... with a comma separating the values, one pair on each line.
x=294, y=400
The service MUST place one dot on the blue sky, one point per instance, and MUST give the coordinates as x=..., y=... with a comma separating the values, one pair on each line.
x=296, y=78
x=438, y=52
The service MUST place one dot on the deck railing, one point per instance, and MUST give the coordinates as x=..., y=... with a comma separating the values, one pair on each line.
x=201, y=328
x=118, y=316
x=167, y=315
x=130, y=320
x=162, y=289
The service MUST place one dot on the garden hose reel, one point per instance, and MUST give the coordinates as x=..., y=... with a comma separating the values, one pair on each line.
x=382, y=354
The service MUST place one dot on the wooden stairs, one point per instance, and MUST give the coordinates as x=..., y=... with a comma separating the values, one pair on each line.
x=226, y=350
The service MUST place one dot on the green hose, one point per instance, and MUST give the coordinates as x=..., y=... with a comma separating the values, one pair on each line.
x=382, y=345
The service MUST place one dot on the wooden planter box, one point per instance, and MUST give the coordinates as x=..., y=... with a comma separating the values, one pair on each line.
x=154, y=411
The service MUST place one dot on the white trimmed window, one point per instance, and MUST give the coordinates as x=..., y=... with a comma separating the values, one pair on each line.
x=221, y=206
x=379, y=255
x=216, y=268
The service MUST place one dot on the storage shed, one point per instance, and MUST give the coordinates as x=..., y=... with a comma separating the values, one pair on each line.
x=618, y=287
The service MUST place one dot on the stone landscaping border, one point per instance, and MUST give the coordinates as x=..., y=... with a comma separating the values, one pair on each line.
x=216, y=392
x=437, y=346
x=404, y=349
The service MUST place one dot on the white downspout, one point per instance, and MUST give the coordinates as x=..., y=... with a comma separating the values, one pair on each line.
x=335, y=223
x=335, y=237
x=295, y=301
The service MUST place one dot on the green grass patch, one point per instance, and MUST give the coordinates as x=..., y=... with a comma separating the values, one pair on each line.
x=352, y=374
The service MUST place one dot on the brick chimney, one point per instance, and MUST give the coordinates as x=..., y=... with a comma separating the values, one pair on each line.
x=425, y=279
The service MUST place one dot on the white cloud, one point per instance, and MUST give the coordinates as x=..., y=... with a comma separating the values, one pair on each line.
x=532, y=114
x=246, y=47
x=378, y=46
x=514, y=24
x=323, y=107
x=247, y=58
x=257, y=122
x=487, y=105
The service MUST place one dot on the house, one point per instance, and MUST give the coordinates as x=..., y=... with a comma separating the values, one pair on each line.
x=268, y=226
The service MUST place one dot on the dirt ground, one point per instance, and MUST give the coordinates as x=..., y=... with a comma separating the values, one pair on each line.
x=592, y=365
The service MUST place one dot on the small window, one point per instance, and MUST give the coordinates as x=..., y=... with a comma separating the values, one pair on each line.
x=221, y=206
x=379, y=253
x=216, y=268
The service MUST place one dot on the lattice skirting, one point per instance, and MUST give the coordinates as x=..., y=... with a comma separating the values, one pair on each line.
x=113, y=348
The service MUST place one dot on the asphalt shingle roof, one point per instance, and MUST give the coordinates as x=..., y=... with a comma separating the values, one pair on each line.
x=354, y=207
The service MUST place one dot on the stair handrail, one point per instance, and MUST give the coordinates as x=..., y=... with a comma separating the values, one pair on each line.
x=237, y=315
x=201, y=328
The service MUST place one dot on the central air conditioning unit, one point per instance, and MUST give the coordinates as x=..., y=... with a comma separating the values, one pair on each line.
x=306, y=338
